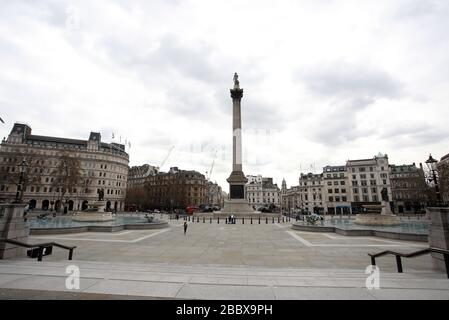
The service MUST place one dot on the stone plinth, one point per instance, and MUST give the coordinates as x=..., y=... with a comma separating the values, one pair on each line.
x=369, y=219
x=439, y=234
x=12, y=226
x=237, y=207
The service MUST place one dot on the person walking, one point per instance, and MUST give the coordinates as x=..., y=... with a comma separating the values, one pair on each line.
x=185, y=227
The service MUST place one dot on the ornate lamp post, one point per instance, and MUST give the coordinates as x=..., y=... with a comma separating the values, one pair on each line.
x=432, y=165
x=23, y=168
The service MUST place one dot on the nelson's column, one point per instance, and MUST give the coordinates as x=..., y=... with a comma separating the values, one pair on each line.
x=237, y=203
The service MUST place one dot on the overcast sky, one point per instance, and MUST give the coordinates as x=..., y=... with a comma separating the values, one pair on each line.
x=324, y=80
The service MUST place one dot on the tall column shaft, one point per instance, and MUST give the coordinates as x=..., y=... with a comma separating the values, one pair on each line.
x=237, y=135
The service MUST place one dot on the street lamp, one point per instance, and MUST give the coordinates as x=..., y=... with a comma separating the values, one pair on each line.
x=432, y=165
x=22, y=168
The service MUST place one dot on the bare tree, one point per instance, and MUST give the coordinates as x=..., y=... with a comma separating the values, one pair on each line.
x=22, y=171
x=66, y=177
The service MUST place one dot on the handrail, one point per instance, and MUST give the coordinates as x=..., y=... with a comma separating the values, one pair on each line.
x=399, y=255
x=40, y=246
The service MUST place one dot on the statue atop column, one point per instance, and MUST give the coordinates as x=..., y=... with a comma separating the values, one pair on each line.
x=236, y=81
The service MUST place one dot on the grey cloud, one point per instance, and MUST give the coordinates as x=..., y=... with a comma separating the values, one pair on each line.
x=344, y=80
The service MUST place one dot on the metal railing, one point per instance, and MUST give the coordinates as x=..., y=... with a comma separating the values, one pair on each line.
x=41, y=247
x=399, y=255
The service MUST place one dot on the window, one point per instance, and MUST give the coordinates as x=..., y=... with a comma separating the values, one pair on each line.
x=331, y=199
x=364, y=183
x=342, y=183
x=343, y=190
x=329, y=190
x=344, y=199
x=336, y=190
x=335, y=183
x=337, y=199
x=329, y=183
x=363, y=176
x=364, y=190
x=354, y=182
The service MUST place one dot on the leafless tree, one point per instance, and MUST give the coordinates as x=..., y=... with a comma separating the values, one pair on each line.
x=66, y=177
x=22, y=171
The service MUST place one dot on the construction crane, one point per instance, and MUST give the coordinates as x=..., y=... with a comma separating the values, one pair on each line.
x=168, y=155
x=209, y=174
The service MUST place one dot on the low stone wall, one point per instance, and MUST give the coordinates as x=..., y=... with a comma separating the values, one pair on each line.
x=137, y=226
x=248, y=215
x=364, y=233
x=439, y=234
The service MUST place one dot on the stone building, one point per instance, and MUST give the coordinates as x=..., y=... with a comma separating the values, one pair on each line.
x=311, y=192
x=137, y=175
x=337, y=193
x=408, y=187
x=101, y=166
x=367, y=178
x=214, y=195
x=176, y=189
x=261, y=192
x=291, y=199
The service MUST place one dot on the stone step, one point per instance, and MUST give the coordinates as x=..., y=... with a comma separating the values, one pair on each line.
x=215, y=269
x=217, y=282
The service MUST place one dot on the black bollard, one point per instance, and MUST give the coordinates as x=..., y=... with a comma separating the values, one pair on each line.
x=266, y=220
x=273, y=219
x=226, y=220
x=282, y=219
x=279, y=219
x=251, y=220
x=218, y=220
x=211, y=220
x=259, y=220
x=204, y=220
x=243, y=220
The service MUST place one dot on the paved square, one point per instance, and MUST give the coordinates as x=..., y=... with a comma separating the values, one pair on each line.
x=264, y=245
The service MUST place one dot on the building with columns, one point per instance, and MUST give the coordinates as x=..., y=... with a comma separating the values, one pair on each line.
x=102, y=166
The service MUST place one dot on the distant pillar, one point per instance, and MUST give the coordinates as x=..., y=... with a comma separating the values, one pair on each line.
x=12, y=226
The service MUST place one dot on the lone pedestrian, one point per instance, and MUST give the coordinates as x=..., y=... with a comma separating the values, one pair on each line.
x=185, y=227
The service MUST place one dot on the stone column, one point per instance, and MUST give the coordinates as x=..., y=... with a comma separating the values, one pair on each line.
x=237, y=179
x=439, y=234
x=236, y=95
x=13, y=227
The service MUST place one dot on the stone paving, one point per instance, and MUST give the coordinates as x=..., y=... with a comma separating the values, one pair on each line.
x=267, y=245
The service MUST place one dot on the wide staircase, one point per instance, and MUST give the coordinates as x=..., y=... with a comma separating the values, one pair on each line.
x=216, y=281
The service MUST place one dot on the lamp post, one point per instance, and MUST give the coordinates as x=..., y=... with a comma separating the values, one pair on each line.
x=22, y=167
x=432, y=165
